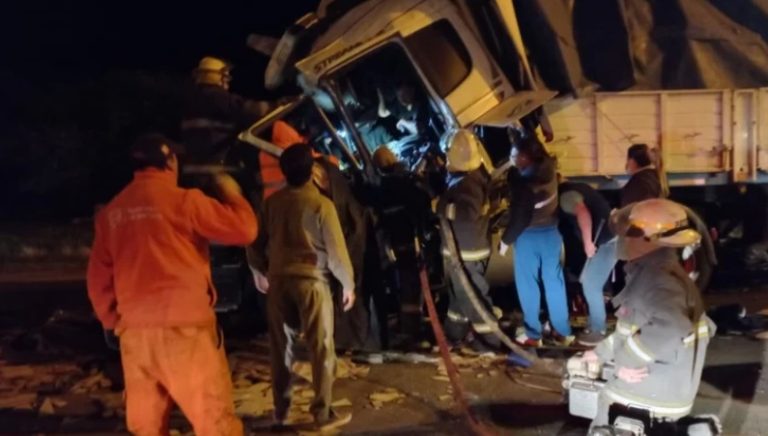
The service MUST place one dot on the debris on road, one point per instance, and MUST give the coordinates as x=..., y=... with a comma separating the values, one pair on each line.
x=389, y=395
x=18, y=401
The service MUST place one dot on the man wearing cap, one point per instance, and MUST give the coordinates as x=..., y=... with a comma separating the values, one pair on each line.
x=213, y=116
x=662, y=332
x=300, y=246
x=149, y=280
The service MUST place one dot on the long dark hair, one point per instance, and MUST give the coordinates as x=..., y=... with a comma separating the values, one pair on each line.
x=646, y=156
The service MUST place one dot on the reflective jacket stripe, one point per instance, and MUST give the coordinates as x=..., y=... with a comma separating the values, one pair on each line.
x=625, y=329
x=471, y=255
x=456, y=317
x=638, y=350
x=702, y=332
x=543, y=203
x=482, y=328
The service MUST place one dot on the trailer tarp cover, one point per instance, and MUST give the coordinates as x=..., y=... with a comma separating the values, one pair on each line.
x=580, y=45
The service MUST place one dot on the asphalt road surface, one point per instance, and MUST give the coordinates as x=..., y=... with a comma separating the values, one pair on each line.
x=41, y=325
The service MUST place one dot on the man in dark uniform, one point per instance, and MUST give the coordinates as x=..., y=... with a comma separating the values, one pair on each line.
x=351, y=327
x=588, y=213
x=465, y=204
x=213, y=116
x=662, y=332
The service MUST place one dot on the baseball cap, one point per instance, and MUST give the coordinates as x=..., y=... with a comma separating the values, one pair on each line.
x=153, y=150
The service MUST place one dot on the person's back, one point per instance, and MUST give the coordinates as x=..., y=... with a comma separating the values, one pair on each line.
x=155, y=236
x=294, y=219
x=149, y=282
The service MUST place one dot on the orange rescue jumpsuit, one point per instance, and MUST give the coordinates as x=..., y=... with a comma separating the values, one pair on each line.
x=149, y=279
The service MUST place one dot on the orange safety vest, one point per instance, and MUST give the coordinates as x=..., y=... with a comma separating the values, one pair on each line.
x=283, y=135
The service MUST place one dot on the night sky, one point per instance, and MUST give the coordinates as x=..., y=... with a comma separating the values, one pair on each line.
x=80, y=80
x=52, y=37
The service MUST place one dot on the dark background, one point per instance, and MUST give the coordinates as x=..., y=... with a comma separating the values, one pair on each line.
x=79, y=80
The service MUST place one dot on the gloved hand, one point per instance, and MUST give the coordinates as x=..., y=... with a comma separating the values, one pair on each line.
x=111, y=339
x=227, y=186
x=632, y=375
x=503, y=248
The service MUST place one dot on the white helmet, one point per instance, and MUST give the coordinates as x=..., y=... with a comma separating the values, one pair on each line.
x=213, y=71
x=462, y=150
x=645, y=226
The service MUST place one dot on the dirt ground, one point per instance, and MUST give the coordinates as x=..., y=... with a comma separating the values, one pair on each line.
x=56, y=376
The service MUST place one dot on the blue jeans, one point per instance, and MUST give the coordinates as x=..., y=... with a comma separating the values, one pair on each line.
x=537, y=254
x=593, y=277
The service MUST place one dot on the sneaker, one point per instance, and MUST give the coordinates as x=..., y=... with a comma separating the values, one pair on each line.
x=333, y=422
x=563, y=341
x=522, y=338
x=363, y=357
x=589, y=338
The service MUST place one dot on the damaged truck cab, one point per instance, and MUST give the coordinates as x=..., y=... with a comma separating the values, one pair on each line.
x=400, y=73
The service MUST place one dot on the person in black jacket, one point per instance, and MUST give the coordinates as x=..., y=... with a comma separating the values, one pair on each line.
x=647, y=176
x=351, y=327
x=213, y=116
x=466, y=206
x=537, y=248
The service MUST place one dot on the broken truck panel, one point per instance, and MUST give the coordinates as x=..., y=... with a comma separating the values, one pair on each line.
x=442, y=42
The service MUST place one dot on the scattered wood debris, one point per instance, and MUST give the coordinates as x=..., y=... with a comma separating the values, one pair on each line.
x=389, y=395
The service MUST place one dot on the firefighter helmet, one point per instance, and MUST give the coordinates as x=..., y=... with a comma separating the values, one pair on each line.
x=383, y=157
x=648, y=225
x=213, y=71
x=462, y=150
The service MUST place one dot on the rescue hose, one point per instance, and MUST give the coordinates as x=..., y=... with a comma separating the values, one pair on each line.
x=457, y=265
x=459, y=395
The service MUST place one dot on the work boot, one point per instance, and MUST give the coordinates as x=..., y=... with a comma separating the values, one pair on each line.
x=589, y=338
x=334, y=422
x=279, y=423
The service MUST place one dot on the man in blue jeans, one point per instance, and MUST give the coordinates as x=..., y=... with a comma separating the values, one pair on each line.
x=588, y=212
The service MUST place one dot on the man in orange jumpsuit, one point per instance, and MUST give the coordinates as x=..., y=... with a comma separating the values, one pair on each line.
x=149, y=280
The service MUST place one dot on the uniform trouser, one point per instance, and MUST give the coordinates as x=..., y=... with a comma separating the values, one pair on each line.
x=351, y=328
x=537, y=254
x=462, y=314
x=185, y=365
x=298, y=304
x=593, y=277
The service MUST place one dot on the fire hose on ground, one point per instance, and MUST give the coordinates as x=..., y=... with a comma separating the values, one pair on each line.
x=454, y=377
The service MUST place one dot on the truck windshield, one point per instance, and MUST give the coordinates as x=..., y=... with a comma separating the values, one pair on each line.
x=311, y=122
x=389, y=104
